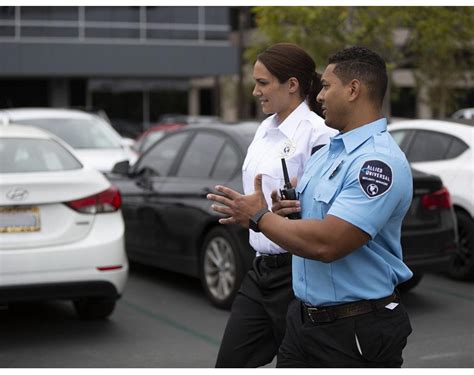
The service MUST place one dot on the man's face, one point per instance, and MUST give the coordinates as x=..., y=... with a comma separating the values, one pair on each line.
x=272, y=95
x=333, y=99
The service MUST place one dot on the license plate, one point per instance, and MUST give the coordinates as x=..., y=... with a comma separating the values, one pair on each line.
x=19, y=219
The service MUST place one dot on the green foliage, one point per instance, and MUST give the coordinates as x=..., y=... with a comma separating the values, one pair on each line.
x=436, y=37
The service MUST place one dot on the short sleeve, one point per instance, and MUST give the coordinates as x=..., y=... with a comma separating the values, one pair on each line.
x=372, y=191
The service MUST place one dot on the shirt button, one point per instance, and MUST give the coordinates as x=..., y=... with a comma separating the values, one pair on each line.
x=301, y=278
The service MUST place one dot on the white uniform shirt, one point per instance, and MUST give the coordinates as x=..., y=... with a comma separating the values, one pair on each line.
x=293, y=140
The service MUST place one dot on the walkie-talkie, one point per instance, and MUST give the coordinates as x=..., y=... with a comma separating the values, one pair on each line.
x=288, y=192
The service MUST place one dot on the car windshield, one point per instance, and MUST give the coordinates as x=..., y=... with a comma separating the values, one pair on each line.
x=20, y=155
x=79, y=133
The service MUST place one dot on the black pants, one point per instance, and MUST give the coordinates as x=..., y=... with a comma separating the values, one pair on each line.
x=257, y=321
x=375, y=339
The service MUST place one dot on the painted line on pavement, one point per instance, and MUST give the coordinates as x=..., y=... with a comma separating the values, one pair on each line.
x=164, y=319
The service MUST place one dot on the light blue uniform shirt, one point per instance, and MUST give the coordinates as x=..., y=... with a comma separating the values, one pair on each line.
x=364, y=178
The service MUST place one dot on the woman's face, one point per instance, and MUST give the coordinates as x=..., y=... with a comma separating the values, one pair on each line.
x=274, y=97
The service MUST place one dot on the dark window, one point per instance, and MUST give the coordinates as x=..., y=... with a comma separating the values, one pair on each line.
x=7, y=13
x=45, y=31
x=112, y=14
x=129, y=33
x=457, y=148
x=160, y=158
x=201, y=155
x=217, y=15
x=402, y=137
x=172, y=34
x=226, y=164
x=50, y=13
x=429, y=146
x=172, y=15
x=7, y=31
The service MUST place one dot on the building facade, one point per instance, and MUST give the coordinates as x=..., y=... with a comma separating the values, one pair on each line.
x=136, y=63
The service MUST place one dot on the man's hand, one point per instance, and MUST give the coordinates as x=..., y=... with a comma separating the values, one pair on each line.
x=238, y=207
x=285, y=207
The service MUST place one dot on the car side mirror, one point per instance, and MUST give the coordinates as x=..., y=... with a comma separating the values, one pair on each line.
x=122, y=167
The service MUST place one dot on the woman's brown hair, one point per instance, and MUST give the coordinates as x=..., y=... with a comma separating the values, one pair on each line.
x=286, y=60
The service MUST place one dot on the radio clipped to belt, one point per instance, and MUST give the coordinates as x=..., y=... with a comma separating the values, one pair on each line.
x=288, y=192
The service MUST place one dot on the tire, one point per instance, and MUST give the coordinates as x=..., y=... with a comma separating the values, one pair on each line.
x=461, y=266
x=94, y=308
x=220, y=267
x=411, y=283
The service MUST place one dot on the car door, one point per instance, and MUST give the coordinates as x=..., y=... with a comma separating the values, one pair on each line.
x=211, y=158
x=144, y=226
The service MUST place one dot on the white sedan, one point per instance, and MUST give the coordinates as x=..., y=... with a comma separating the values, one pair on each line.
x=95, y=141
x=61, y=227
x=445, y=149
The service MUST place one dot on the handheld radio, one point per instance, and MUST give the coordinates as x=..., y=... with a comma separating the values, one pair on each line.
x=288, y=192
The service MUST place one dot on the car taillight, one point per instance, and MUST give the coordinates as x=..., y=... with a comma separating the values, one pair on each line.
x=107, y=201
x=438, y=199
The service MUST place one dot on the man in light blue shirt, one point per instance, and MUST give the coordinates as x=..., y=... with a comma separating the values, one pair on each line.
x=347, y=257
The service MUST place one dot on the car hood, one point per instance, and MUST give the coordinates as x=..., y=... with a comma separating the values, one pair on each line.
x=103, y=159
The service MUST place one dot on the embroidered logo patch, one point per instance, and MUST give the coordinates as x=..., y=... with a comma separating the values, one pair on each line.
x=375, y=178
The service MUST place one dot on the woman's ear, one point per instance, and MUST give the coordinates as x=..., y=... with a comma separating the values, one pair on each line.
x=293, y=85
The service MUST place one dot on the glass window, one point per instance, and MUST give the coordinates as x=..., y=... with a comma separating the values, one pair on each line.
x=7, y=13
x=172, y=15
x=44, y=31
x=172, y=34
x=7, y=31
x=428, y=146
x=79, y=133
x=201, y=155
x=217, y=15
x=227, y=163
x=129, y=33
x=112, y=14
x=22, y=155
x=50, y=13
x=160, y=157
x=402, y=138
x=457, y=148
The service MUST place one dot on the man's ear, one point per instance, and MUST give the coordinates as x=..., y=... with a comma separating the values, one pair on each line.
x=293, y=85
x=355, y=88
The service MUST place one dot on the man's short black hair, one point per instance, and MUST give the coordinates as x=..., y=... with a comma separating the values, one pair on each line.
x=365, y=65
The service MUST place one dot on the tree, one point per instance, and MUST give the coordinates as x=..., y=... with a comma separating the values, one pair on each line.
x=436, y=35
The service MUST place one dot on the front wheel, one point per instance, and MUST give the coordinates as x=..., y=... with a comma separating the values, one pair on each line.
x=94, y=308
x=221, y=267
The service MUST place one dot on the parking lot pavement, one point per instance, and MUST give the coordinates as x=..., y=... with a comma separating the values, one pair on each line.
x=164, y=320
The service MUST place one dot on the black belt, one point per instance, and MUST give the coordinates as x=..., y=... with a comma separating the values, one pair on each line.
x=328, y=314
x=276, y=260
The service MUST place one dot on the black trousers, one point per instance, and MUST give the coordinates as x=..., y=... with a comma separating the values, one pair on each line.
x=375, y=339
x=257, y=321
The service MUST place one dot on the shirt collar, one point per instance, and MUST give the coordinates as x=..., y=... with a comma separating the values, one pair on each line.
x=356, y=137
x=289, y=126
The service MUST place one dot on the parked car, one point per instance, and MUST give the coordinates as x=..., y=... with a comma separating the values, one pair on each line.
x=465, y=113
x=153, y=134
x=170, y=225
x=446, y=149
x=61, y=228
x=96, y=142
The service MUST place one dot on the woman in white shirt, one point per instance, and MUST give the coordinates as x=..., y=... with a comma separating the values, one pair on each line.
x=286, y=85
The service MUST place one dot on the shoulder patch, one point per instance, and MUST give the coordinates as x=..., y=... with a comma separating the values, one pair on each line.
x=375, y=178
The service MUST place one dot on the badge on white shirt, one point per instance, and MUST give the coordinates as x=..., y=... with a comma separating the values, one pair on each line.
x=287, y=148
